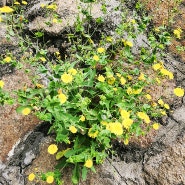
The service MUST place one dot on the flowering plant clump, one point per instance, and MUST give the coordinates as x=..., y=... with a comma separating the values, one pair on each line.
x=98, y=95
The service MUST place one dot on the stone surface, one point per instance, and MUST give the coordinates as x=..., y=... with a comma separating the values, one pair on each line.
x=68, y=11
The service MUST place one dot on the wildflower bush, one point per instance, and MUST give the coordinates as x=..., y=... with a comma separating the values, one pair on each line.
x=98, y=95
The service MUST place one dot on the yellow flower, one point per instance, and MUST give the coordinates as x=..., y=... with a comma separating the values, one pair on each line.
x=137, y=91
x=179, y=92
x=148, y=96
x=143, y=116
x=129, y=91
x=111, y=80
x=7, y=59
x=54, y=20
x=118, y=75
x=42, y=5
x=72, y=71
x=39, y=85
x=42, y=59
x=126, y=141
x=160, y=102
x=101, y=78
x=133, y=21
x=115, y=89
x=177, y=33
x=92, y=134
x=127, y=123
x=50, y=179
x=141, y=77
x=17, y=3
x=167, y=73
x=128, y=43
x=96, y=57
x=62, y=98
x=157, y=66
x=125, y=114
x=88, y=163
x=156, y=29
x=115, y=128
x=104, y=123
x=109, y=39
x=122, y=80
x=1, y=84
x=101, y=50
x=155, y=126
x=26, y=111
x=163, y=112
x=129, y=77
x=31, y=177
x=154, y=104
x=52, y=6
x=166, y=106
x=24, y=2
x=82, y=118
x=67, y=78
x=73, y=129
x=6, y=9
x=52, y=149
x=157, y=80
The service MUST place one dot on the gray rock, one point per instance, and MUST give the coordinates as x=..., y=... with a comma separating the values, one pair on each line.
x=68, y=11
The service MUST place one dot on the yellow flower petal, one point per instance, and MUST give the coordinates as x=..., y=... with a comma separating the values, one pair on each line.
x=52, y=149
x=31, y=177
x=50, y=179
x=179, y=92
x=88, y=163
x=73, y=129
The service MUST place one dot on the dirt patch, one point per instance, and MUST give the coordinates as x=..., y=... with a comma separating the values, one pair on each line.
x=13, y=126
x=172, y=15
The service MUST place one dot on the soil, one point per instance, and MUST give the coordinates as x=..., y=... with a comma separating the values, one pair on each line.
x=14, y=126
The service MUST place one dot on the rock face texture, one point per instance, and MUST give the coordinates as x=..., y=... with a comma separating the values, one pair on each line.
x=67, y=12
x=160, y=163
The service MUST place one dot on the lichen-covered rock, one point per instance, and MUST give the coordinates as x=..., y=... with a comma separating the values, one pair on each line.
x=67, y=12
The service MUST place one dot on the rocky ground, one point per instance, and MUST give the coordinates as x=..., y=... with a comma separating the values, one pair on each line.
x=24, y=140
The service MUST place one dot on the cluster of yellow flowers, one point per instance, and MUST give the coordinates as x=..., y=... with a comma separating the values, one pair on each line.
x=68, y=77
x=52, y=149
x=126, y=121
x=163, y=71
x=143, y=116
x=115, y=128
x=52, y=6
x=23, y=2
x=6, y=9
x=127, y=43
x=49, y=178
x=162, y=104
x=177, y=32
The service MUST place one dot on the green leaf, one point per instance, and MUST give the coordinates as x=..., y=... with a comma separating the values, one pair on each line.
x=84, y=173
x=75, y=174
x=61, y=164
